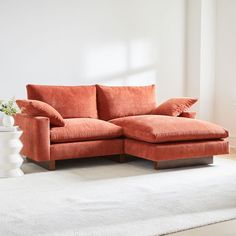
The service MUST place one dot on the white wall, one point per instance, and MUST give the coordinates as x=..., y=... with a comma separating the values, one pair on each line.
x=73, y=42
x=225, y=103
x=193, y=50
x=211, y=60
x=207, y=69
x=200, y=55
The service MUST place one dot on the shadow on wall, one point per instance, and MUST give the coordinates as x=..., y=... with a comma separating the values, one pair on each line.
x=132, y=63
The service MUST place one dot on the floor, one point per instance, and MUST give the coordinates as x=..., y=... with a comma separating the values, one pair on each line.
x=227, y=228
x=221, y=229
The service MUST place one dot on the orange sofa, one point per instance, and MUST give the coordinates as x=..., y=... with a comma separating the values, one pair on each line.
x=110, y=121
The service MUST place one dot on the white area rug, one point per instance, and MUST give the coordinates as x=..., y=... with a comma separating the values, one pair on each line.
x=98, y=197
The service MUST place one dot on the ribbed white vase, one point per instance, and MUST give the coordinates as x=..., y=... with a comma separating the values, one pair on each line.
x=10, y=159
x=8, y=121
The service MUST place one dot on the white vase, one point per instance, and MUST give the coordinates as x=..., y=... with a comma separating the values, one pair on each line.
x=8, y=121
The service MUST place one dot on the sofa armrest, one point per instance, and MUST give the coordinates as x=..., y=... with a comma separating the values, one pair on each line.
x=191, y=115
x=35, y=137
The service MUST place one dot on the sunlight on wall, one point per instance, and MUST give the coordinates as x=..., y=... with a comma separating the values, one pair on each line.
x=127, y=63
x=118, y=81
x=106, y=60
x=141, y=54
x=142, y=78
x=139, y=78
x=82, y=42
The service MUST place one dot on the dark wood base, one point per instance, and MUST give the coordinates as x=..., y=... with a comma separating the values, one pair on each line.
x=49, y=165
x=122, y=158
x=166, y=164
x=158, y=165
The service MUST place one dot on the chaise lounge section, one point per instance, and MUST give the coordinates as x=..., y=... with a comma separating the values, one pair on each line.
x=162, y=138
x=107, y=121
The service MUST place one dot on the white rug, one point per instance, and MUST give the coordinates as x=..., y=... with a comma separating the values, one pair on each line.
x=98, y=197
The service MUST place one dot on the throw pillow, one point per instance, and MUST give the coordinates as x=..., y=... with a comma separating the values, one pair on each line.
x=174, y=106
x=38, y=108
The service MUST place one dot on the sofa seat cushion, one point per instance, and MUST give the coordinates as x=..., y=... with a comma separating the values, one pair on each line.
x=160, y=129
x=84, y=129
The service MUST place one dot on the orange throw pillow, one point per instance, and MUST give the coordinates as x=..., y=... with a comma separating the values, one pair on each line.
x=174, y=106
x=37, y=108
x=191, y=115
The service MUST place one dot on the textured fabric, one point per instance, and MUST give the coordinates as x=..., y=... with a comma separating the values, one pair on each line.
x=69, y=101
x=38, y=108
x=171, y=151
x=123, y=101
x=36, y=136
x=174, y=106
x=86, y=149
x=159, y=129
x=191, y=115
x=82, y=129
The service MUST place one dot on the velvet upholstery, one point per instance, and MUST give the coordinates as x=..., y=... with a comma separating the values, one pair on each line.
x=38, y=108
x=35, y=137
x=83, y=129
x=153, y=137
x=123, y=101
x=69, y=101
x=159, y=129
x=86, y=149
x=177, y=150
x=174, y=106
x=191, y=115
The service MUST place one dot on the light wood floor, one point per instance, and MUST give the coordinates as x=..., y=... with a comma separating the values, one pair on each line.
x=227, y=228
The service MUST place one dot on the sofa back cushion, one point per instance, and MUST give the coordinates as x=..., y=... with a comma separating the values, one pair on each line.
x=121, y=101
x=69, y=101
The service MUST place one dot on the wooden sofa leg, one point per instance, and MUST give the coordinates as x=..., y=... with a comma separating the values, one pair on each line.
x=49, y=165
x=166, y=164
x=155, y=165
x=121, y=158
